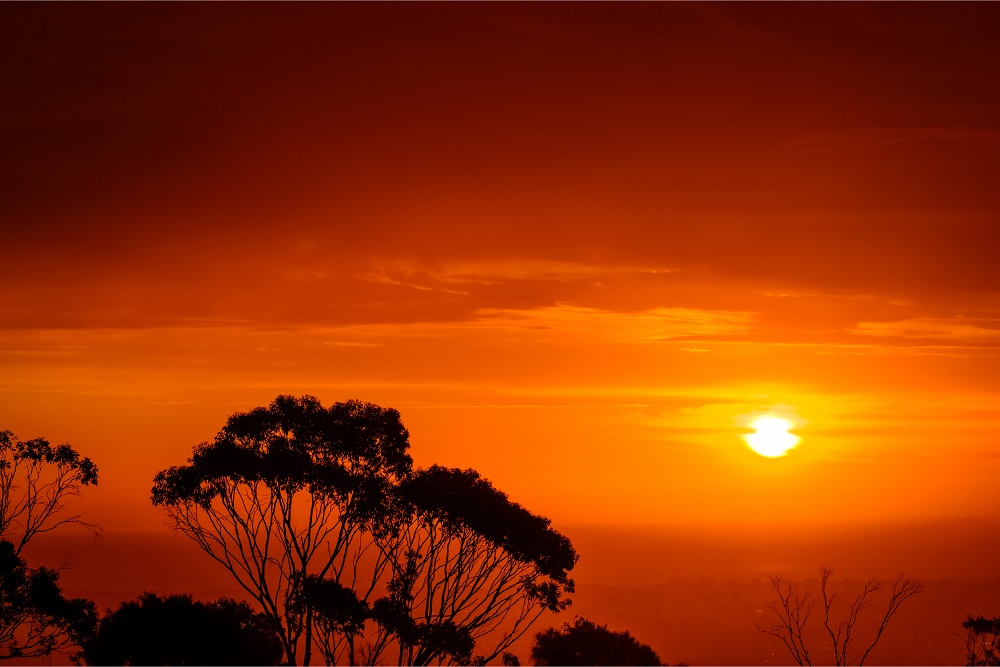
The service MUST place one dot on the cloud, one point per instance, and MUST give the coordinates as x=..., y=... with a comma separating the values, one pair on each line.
x=345, y=343
x=952, y=330
x=648, y=326
x=496, y=271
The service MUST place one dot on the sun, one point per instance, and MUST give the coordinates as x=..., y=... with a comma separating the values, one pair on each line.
x=771, y=437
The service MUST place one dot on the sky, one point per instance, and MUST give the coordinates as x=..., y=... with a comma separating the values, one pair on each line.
x=579, y=247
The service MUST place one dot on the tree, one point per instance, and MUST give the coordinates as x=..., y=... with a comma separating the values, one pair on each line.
x=585, y=643
x=470, y=569
x=319, y=516
x=287, y=493
x=175, y=630
x=982, y=640
x=37, y=482
x=35, y=618
x=794, y=607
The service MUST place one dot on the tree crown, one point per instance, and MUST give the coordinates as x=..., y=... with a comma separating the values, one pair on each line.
x=351, y=451
x=586, y=643
x=463, y=499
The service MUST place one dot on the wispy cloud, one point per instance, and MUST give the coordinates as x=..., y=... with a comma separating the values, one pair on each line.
x=953, y=330
x=492, y=272
x=648, y=326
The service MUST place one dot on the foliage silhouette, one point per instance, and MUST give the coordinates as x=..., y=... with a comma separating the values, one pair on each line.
x=982, y=640
x=37, y=482
x=585, y=643
x=794, y=607
x=317, y=512
x=175, y=630
x=286, y=492
x=469, y=567
x=35, y=618
x=339, y=615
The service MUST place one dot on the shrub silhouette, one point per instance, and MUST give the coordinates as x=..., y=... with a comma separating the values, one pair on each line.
x=175, y=630
x=586, y=643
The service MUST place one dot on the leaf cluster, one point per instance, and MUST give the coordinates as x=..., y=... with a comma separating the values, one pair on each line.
x=336, y=607
x=982, y=640
x=463, y=499
x=39, y=450
x=349, y=452
x=35, y=618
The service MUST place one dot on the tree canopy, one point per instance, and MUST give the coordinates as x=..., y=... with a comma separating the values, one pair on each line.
x=37, y=480
x=982, y=640
x=469, y=564
x=286, y=492
x=176, y=630
x=586, y=643
x=35, y=618
x=319, y=515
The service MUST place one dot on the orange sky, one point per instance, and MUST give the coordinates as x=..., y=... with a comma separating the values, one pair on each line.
x=576, y=245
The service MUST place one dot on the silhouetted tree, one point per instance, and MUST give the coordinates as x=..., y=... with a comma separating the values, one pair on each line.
x=175, y=630
x=35, y=618
x=317, y=511
x=288, y=492
x=585, y=643
x=37, y=482
x=470, y=569
x=982, y=640
x=794, y=607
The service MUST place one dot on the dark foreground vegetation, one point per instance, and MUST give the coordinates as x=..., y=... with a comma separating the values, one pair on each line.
x=347, y=554
x=585, y=643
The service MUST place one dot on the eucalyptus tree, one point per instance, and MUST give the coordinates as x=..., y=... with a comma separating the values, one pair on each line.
x=37, y=484
x=290, y=493
x=36, y=620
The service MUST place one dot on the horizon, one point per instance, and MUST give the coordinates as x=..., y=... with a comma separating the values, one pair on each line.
x=714, y=577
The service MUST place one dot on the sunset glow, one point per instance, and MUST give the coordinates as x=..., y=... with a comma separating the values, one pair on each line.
x=714, y=287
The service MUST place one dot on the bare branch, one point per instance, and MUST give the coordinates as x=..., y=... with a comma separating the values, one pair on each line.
x=902, y=590
x=793, y=608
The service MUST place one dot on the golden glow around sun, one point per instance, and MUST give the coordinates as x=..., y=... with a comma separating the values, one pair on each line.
x=771, y=437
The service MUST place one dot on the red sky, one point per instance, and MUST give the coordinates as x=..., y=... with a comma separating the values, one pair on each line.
x=578, y=246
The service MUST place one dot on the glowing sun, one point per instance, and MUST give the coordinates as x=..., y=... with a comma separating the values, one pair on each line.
x=771, y=437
